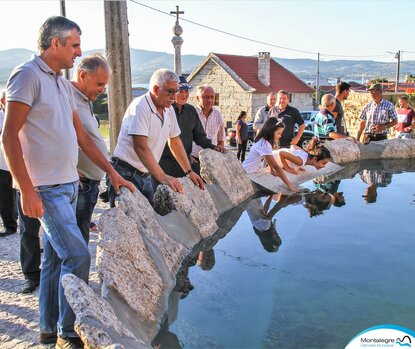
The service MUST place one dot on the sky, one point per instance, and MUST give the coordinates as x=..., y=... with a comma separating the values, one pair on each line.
x=365, y=29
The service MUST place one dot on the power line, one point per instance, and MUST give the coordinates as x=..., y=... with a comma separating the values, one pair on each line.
x=254, y=40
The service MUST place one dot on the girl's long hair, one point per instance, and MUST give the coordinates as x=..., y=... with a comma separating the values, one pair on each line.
x=268, y=130
x=316, y=149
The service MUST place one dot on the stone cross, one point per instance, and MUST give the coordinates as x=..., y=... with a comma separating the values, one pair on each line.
x=177, y=42
x=177, y=13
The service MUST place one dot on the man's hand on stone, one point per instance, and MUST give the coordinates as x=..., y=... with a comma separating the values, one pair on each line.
x=195, y=178
x=117, y=182
x=31, y=204
x=220, y=148
x=173, y=183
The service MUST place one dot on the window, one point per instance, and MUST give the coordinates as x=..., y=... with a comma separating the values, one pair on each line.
x=290, y=97
x=216, y=99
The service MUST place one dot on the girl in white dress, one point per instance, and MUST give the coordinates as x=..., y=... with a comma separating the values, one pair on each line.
x=261, y=158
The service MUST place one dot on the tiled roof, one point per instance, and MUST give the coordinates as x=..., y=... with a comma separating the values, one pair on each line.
x=246, y=68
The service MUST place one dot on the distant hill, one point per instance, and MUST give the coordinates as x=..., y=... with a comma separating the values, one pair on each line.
x=143, y=63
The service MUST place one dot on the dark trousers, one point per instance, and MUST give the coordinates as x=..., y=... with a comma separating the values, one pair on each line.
x=241, y=150
x=8, y=210
x=88, y=191
x=29, y=244
x=142, y=181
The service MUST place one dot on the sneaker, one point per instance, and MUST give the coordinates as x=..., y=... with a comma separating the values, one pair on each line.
x=69, y=343
x=48, y=338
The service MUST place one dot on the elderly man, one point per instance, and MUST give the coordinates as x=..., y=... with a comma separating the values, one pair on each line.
x=263, y=113
x=290, y=116
x=376, y=117
x=342, y=92
x=41, y=136
x=212, y=122
x=191, y=130
x=148, y=123
x=406, y=119
x=89, y=81
x=8, y=210
x=324, y=123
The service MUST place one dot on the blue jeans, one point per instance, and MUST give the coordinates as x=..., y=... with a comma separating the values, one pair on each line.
x=141, y=182
x=87, y=199
x=64, y=251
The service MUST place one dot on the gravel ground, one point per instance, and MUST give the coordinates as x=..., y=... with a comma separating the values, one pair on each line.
x=18, y=312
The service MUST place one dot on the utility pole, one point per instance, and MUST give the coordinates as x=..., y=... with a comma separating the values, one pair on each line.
x=63, y=14
x=318, y=80
x=118, y=54
x=398, y=67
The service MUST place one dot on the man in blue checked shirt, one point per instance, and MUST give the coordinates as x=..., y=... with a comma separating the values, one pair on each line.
x=376, y=117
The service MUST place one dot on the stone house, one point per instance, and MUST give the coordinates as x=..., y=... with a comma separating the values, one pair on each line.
x=243, y=82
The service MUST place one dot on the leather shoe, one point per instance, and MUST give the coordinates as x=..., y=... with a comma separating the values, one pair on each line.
x=29, y=286
x=48, y=338
x=7, y=232
x=69, y=343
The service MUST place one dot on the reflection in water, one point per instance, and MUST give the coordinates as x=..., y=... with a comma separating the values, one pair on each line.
x=262, y=215
x=321, y=199
x=374, y=179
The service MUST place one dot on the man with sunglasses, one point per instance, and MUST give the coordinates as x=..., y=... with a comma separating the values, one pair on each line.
x=148, y=123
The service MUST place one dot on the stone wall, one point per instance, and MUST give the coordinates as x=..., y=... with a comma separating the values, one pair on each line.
x=232, y=97
x=354, y=104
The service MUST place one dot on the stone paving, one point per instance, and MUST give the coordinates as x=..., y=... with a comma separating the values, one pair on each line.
x=18, y=312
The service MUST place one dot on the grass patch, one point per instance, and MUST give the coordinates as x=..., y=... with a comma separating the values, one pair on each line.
x=104, y=128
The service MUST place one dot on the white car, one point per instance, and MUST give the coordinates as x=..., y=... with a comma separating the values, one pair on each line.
x=308, y=117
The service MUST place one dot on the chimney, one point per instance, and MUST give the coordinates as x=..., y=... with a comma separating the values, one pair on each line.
x=264, y=64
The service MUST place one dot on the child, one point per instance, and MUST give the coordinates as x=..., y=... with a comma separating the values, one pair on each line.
x=292, y=160
x=260, y=157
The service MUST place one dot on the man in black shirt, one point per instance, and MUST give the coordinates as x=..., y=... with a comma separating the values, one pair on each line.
x=191, y=131
x=342, y=92
x=290, y=116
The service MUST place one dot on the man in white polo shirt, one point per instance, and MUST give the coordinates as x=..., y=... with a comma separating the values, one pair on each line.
x=40, y=138
x=148, y=123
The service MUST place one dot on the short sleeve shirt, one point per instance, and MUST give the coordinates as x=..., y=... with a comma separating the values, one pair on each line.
x=324, y=123
x=48, y=137
x=290, y=117
x=340, y=122
x=84, y=107
x=213, y=126
x=142, y=119
x=3, y=165
x=377, y=114
x=405, y=118
x=255, y=159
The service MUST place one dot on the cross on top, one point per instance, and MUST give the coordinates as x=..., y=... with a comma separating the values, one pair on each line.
x=177, y=13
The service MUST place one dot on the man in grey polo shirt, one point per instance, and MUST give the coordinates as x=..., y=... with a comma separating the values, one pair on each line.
x=148, y=123
x=89, y=81
x=40, y=138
